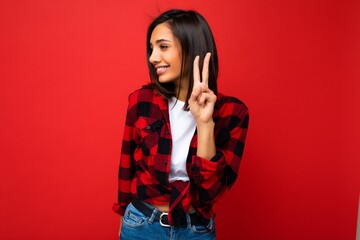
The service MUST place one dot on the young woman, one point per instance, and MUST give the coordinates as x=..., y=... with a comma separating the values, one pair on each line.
x=183, y=140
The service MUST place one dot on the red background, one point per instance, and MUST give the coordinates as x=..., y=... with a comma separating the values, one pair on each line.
x=67, y=68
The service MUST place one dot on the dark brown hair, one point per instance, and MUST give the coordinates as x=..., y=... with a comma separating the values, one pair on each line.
x=195, y=37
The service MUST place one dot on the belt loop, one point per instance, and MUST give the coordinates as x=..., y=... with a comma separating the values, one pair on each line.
x=188, y=221
x=153, y=216
x=210, y=226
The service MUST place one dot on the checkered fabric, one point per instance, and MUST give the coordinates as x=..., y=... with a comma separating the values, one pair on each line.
x=145, y=157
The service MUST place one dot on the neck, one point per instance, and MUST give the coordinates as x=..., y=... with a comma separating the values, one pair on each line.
x=182, y=96
x=183, y=90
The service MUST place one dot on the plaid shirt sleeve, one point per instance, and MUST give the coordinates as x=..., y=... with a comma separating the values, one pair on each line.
x=212, y=177
x=127, y=165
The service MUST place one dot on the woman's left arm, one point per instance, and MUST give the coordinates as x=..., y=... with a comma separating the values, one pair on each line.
x=215, y=168
x=201, y=103
x=214, y=175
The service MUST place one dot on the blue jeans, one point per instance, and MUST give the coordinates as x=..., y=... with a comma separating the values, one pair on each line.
x=136, y=226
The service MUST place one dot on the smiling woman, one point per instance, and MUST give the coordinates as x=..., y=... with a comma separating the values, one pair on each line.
x=166, y=55
x=183, y=140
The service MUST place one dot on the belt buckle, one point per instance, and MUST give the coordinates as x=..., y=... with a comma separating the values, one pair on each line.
x=161, y=223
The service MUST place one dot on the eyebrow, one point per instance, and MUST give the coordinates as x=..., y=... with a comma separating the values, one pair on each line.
x=161, y=40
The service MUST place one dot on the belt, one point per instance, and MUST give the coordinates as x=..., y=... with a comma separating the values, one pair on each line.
x=162, y=217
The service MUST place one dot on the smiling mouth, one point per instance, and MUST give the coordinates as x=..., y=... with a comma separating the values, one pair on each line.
x=161, y=70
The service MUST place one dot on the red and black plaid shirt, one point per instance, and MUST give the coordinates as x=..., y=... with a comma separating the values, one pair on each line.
x=145, y=156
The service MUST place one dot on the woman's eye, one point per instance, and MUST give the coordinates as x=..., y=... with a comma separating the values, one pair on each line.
x=163, y=47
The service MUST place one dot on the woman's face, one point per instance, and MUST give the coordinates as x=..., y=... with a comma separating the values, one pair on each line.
x=166, y=54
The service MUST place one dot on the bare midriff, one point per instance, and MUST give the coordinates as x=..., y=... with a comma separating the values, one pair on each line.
x=165, y=207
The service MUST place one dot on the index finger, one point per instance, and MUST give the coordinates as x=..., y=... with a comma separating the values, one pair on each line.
x=205, y=70
x=196, y=70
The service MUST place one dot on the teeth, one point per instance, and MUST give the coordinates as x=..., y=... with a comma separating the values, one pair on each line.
x=161, y=68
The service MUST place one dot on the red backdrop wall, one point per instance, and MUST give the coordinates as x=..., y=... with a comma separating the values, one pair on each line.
x=67, y=68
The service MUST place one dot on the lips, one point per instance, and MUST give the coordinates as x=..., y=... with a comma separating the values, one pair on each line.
x=161, y=70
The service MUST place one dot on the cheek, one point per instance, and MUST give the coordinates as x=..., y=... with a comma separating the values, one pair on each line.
x=178, y=63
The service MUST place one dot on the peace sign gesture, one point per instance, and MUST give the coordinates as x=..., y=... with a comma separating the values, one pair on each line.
x=202, y=99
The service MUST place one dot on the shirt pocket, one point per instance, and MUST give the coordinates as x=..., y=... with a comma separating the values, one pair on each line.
x=149, y=131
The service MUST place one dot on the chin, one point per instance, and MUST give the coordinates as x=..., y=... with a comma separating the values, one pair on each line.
x=165, y=80
x=168, y=79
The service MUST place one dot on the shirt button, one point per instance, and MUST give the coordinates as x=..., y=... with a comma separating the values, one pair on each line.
x=148, y=127
x=164, y=163
x=167, y=132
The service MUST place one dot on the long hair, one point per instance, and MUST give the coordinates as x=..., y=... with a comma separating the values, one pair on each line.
x=195, y=37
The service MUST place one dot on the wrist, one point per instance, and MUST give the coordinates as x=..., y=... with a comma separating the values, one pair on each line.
x=206, y=142
x=200, y=125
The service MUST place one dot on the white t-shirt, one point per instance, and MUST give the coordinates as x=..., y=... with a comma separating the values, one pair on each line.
x=182, y=124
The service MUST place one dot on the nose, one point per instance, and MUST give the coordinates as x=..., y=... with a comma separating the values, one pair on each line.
x=154, y=57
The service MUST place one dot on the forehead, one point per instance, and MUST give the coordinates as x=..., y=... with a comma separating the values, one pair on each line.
x=162, y=32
